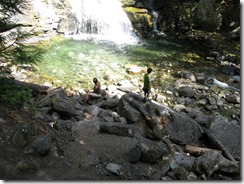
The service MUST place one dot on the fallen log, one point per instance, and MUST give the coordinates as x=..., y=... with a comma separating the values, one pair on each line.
x=35, y=87
x=197, y=151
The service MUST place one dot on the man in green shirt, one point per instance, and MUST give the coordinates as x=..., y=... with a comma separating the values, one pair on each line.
x=147, y=84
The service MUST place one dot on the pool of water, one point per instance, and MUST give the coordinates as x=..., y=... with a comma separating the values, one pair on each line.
x=73, y=63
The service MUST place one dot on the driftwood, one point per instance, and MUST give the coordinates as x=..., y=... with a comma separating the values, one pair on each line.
x=216, y=143
x=35, y=87
x=197, y=151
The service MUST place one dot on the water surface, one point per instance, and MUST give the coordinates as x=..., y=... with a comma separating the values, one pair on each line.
x=73, y=63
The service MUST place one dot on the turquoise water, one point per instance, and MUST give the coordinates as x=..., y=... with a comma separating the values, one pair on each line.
x=73, y=63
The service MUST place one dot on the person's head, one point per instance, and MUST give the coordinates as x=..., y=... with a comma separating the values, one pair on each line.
x=149, y=70
x=95, y=80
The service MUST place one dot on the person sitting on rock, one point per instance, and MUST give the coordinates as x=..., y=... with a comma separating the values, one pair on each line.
x=96, y=93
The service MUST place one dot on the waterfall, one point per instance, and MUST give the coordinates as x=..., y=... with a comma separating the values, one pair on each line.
x=155, y=21
x=103, y=20
x=155, y=15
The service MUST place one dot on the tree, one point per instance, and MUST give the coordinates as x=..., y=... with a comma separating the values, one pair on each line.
x=7, y=9
x=12, y=50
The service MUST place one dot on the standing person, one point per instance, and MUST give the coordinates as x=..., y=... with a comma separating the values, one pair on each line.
x=147, y=84
x=96, y=93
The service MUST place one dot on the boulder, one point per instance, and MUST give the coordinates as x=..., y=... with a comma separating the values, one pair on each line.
x=186, y=91
x=212, y=161
x=158, y=121
x=228, y=134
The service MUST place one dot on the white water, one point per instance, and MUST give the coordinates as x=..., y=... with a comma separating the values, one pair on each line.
x=155, y=15
x=103, y=20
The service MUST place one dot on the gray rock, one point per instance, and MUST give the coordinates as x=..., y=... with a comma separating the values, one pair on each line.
x=134, y=154
x=212, y=161
x=183, y=129
x=93, y=110
x=152, y=151
x=114, y=168
x=227, y=133
x=233, y=98
x=200, y=77
x=186, y=91
x=20, y=137
x=185, y=161
x=42, y=145
x=109, y=104
x=117, y=129
x=64, y=105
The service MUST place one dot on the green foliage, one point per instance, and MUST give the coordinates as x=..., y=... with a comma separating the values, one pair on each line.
x=13, y=95
x=9, y=7
x=12, y=51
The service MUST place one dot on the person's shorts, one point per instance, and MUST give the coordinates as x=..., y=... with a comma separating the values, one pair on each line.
x=146, y=90
x=94, y=95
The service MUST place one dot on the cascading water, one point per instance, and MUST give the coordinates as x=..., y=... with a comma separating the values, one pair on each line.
x=155, y=21
x=103, y=20
x=155, y=15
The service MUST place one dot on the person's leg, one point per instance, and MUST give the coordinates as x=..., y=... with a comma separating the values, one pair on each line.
x=87, y=97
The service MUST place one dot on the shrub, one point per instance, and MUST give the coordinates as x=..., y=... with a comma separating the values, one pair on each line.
x=12, y=95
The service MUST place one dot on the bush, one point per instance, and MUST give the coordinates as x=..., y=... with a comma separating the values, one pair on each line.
x=12, y=95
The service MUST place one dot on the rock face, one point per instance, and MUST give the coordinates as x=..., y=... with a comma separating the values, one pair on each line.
x=209, y=17
x=204, y=14
x=47, y=19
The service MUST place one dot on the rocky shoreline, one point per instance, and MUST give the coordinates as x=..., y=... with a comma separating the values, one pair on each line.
x=130, y=139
